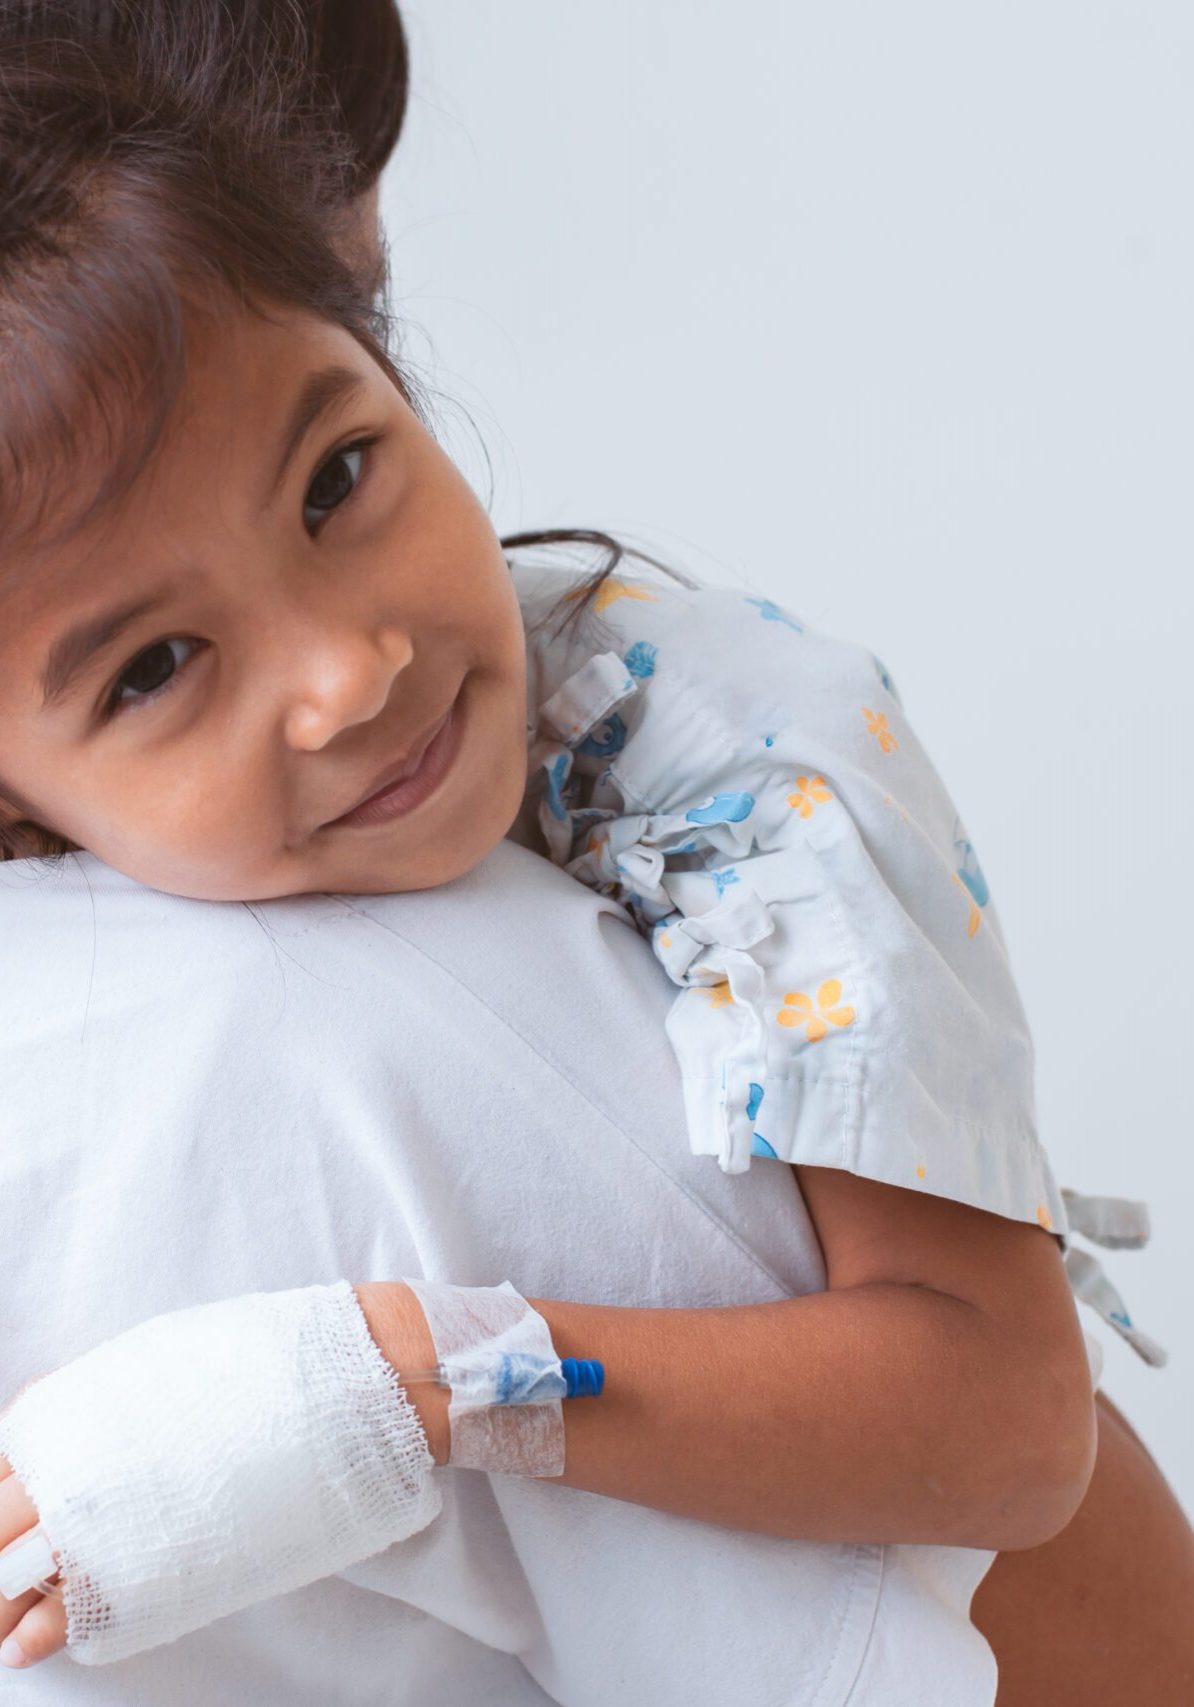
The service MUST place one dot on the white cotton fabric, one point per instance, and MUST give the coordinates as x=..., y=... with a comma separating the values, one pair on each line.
x=753, y=792
x=214, y=1457
x=472, y=1327
x=470, y=1083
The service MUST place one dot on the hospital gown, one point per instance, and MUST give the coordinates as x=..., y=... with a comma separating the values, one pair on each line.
x=751, y=791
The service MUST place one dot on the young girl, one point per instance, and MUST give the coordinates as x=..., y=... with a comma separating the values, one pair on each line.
x=316, y=681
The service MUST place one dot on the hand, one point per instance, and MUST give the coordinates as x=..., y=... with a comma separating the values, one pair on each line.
x=251, y=1445
x=34, y=1622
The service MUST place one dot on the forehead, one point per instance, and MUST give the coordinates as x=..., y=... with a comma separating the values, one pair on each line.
x=244, y=374
x=258, y=347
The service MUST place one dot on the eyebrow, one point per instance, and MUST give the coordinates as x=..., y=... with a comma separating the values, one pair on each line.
x=72, y=650
x=321, y=391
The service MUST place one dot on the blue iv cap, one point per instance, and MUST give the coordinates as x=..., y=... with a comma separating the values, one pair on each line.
x=584, y=1375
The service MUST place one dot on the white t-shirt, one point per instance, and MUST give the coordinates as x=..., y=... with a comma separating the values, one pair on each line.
x=471, y=1083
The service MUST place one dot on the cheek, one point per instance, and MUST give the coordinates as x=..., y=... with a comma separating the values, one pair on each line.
x=202, y=832
x=458, y=576
x=85, y=800
x=506, y=631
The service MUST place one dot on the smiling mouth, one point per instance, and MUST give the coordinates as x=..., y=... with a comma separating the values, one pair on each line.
x=409, y=781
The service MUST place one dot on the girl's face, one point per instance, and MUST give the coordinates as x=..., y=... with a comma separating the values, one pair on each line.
x=197, y=687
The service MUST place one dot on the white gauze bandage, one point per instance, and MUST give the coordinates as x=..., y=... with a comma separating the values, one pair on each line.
x=214, y=1457
x=476, y=1330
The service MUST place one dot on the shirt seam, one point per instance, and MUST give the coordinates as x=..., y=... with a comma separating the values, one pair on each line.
x=697, y=1202
x=870, y=1635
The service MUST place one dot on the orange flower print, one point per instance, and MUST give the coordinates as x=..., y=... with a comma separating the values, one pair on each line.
x=808, y=790
x=609, y=591
x=1044, y=1217
x=876, y=722
x=969, y=876
x=975, y=918
x=798, y=1010
x=719, y=994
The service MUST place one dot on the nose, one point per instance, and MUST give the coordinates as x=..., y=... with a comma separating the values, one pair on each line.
x=346, y=677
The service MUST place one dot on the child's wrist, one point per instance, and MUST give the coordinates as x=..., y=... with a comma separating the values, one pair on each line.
x=399, y=1328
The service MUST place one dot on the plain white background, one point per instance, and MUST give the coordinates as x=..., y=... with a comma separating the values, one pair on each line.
x=884, y=312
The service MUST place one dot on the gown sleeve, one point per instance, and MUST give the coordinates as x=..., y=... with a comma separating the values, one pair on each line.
x=753, y=792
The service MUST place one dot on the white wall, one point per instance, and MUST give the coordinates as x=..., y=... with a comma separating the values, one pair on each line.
x=883, y=311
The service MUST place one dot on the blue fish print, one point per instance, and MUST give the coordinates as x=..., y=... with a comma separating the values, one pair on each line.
x=970, y=871
x=556, y=772
x=884, y=677
x=640, y=660
x=723, y=879
x=758, y=1144
x=722, y=809
x=610, y=738
x=771, y=613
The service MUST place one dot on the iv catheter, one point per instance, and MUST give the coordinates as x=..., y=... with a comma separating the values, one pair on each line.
x=516, y=1378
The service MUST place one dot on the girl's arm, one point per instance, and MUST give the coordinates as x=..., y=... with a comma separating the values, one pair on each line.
x=937, y=1391
x=1101, y=1614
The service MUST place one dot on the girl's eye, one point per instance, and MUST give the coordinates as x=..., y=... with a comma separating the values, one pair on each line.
x=151, y=674
x=338, y=479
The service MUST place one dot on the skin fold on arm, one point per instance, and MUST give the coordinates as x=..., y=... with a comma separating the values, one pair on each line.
x=1100, y=1616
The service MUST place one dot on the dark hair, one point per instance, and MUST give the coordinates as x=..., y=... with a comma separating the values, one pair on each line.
x=162, y=163
x=355, y=55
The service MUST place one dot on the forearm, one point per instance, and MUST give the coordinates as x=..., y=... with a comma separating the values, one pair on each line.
x=872, y=1413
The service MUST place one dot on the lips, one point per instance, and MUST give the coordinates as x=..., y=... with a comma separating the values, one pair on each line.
x=403, y=768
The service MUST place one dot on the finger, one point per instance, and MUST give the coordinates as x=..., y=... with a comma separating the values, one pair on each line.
x=41, y=1632
x=5, y=1468
x=18, y=1515
x=12, y=1611
x=17, y=1511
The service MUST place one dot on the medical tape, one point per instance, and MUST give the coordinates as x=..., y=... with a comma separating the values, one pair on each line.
x=484, y=1337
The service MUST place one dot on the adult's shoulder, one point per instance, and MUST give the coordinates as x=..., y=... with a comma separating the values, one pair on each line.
x=537, y=948
x=93, y=963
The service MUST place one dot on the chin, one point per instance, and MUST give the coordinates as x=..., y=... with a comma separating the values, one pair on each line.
x=436, y=867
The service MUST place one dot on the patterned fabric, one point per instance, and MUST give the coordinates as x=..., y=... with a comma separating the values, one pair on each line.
x=752, y=792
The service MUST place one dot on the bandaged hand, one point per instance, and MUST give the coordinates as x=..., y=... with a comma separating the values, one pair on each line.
x=206, y=1460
